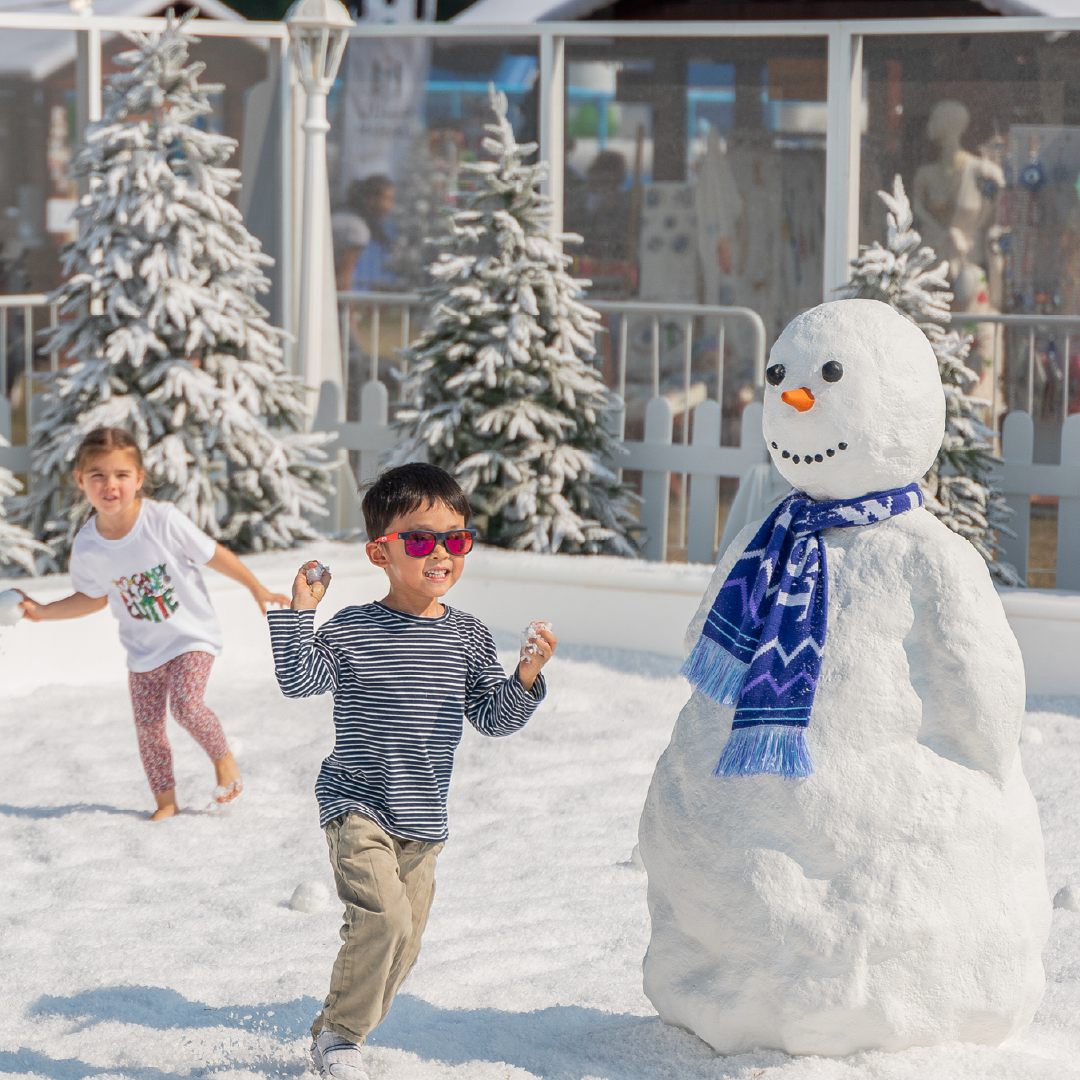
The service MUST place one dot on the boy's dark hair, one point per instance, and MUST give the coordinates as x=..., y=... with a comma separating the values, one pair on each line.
x=406, y=488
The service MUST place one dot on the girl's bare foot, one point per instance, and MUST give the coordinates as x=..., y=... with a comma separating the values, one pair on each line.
x=229, y=784
x=166, y=805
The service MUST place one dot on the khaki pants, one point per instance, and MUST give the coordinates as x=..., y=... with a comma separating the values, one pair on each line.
x=387, y=886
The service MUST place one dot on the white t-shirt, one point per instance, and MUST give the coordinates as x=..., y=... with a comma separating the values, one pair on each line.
x=152, y=580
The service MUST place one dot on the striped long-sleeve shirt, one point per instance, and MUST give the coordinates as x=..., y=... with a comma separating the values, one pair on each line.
x=401, y=685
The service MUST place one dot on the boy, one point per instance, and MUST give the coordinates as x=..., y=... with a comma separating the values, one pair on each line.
x=403, y=672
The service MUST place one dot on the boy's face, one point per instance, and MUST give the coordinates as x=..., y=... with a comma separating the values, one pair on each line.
x=430, y=577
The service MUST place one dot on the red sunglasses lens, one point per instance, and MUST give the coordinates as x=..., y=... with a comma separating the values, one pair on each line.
x=419, y=544
x=459, y=543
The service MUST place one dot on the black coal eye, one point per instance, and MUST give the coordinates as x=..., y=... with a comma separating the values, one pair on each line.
x=776, y=374
x=833, y=371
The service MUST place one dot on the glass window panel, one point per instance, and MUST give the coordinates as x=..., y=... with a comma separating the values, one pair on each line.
x=247, y=109
x=695, y=173
x=37, y=137
x=985, y=132
x=405, y=114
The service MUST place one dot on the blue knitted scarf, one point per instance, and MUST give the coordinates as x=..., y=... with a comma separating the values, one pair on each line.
x=762, y=643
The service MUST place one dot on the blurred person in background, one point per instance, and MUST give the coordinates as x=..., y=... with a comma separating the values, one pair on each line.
x=351, y=236
x=372, y=199
x=602, y=212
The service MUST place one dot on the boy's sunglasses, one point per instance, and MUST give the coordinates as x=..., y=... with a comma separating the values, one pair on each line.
x=421, y=544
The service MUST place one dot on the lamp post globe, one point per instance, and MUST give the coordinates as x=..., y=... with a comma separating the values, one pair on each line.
x=319, y=30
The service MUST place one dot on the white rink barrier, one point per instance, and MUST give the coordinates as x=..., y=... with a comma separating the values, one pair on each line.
x=590, y=600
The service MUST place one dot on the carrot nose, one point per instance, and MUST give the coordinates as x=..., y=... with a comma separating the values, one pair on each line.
x=800, y=399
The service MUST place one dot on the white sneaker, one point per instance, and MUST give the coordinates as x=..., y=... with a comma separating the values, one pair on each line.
x=337, y=1058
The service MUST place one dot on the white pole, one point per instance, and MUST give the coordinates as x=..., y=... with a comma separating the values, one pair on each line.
x=842, y=156
x=552, y=128
x=312, y=253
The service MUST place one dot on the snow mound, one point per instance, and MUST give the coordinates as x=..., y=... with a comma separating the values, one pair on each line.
x=1068, y=898
x=309, y=896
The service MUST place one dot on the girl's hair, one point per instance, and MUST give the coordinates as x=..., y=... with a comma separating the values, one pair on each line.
x=104, y=440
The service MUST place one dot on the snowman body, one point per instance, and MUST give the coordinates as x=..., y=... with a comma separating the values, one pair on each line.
x=896, y=896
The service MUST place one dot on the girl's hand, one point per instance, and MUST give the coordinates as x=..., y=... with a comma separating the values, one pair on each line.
x=531, y=663
x=74, y=606
x=303, y=599
x=264, y=598
x=31, y=609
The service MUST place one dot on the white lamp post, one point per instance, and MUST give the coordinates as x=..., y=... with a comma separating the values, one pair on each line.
x=319, y=30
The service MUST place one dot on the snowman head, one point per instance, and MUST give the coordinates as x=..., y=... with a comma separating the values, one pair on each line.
x=853, y=401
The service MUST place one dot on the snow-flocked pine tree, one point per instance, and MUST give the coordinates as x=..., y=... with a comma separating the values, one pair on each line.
x=503, y=386
x=165, y=327
x=17, y=546
x=959, y=488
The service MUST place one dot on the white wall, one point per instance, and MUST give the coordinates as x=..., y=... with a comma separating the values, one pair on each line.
x=601, y=601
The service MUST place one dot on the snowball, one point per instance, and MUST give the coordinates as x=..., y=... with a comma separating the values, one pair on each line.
x=309, y=896
x=315, y=573
x=1068, y=898
x=1031, y=735
x=10, y=613
x=527, y=638
x=314, y=576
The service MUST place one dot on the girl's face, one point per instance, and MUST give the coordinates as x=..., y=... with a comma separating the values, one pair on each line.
x=111, y=482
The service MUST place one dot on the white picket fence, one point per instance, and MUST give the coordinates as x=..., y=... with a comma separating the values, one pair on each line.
x=1020, y=479
x=698, y=456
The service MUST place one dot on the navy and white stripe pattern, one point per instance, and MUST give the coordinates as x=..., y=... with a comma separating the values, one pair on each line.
x=402, y=685
x=761, y=646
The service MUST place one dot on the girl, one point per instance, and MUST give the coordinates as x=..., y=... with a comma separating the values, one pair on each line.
x=142, y=557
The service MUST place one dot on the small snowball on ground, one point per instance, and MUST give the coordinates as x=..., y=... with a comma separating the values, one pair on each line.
x=10, y=613
x=309, y=896
x=1031, y=735
x=1068, y=898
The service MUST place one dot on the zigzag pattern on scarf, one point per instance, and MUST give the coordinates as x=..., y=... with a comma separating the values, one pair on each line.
x=764, y=636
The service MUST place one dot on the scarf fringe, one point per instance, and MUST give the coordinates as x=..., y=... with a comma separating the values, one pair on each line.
x=766, y=748
x=711, y=669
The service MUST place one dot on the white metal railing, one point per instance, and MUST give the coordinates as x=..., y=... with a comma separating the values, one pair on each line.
x=698, y=458
x=1068, y=325
x=1020, y=479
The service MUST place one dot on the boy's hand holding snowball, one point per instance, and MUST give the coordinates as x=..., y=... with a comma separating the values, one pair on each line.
x=310, y=585
x=537, y=646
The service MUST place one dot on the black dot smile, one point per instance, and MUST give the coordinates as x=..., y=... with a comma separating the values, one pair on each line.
x=809, y=458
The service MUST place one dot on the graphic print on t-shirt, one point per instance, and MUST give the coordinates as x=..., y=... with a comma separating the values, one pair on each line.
x=147, y=595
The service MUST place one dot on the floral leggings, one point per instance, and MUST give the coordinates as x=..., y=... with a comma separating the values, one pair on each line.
x=181, y=682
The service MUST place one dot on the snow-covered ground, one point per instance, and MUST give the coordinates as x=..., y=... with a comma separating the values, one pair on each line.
x=138, y=951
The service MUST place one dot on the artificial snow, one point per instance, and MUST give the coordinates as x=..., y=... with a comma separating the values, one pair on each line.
x=1068, y=898
x=148, y=952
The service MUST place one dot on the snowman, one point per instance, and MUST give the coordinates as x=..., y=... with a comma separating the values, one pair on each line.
x=843, y=851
